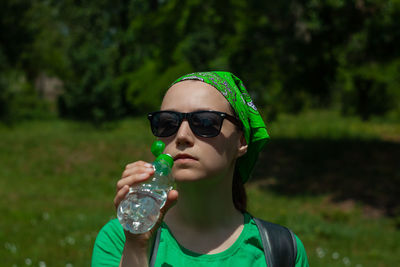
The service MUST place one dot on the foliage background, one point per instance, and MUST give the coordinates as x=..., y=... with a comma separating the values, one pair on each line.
x=116, y=59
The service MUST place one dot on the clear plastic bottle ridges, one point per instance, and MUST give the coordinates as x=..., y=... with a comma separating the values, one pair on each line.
x=140, y=209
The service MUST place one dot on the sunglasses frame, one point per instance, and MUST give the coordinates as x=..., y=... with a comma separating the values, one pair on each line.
x=188, y=116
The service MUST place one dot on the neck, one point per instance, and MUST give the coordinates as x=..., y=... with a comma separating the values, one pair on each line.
x=204, y=219
x=200, y=207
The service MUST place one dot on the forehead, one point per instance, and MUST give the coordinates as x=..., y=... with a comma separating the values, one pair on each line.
x=191, y=95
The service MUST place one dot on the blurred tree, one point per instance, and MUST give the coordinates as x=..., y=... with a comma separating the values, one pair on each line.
x=94, y=30
x=116, y=59
x=23, y=54
x=293, y=52
x=370, y=62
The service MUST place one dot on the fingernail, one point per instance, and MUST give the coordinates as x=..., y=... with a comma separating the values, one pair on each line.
x=148, y=165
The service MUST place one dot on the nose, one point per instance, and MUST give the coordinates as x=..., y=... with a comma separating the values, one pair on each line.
x=184, y=136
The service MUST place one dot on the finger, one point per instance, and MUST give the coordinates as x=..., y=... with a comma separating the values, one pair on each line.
x=120, y=195
x=137, y=163
x=147, y=167
x=134, y=179
x=172, y=198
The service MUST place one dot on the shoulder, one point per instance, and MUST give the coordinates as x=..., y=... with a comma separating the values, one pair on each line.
x=109, y=245
x=301, y=258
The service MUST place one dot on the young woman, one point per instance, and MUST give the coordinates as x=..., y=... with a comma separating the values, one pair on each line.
x=214, y=133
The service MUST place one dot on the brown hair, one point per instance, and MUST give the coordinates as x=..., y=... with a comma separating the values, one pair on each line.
x=239, y=195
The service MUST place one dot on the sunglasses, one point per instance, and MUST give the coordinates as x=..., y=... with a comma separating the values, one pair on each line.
x=202, y=123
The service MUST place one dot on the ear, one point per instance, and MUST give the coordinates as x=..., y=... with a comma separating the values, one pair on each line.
x=242, y=148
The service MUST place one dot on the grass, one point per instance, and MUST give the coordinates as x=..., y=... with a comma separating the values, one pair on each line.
x=328, y=124
x=57, y=182
x=333, y=236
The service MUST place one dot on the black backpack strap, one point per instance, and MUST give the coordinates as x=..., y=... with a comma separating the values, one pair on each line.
x=280, y=247
x=155, y=248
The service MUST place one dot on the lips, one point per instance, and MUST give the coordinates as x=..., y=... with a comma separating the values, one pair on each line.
x=184, y=157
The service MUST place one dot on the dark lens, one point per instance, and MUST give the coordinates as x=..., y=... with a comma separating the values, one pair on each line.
x=206, y=124
x=164, y=124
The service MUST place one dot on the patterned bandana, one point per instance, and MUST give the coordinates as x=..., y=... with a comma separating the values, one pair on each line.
x=255, y=132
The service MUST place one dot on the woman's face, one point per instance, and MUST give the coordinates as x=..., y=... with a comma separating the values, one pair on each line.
x=197, y=157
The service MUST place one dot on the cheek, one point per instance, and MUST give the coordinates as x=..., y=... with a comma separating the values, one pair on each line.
x=225, y=150
x=216, y=159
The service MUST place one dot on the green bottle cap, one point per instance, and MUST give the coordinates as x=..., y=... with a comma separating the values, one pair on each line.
x=157, y=148
x=166, y=158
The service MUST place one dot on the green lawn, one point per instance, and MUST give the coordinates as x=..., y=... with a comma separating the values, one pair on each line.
x=333, y=181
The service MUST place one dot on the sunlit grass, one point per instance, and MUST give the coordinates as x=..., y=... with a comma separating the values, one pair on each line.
x=330, y=125
x=57, y=183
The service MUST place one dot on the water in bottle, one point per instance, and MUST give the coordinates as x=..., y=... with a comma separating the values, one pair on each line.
x=140, y=209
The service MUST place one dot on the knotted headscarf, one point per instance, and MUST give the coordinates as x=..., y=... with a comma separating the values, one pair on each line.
x=255, y=132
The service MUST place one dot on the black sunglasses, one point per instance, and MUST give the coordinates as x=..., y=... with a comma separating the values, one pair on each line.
x=202, y=123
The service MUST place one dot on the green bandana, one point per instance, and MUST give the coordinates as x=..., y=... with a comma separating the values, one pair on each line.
x=255, y=132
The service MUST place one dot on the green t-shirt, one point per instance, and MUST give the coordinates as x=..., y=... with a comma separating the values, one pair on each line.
x=246, y=251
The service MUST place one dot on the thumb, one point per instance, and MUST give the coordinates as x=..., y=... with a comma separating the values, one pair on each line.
x=171, y=200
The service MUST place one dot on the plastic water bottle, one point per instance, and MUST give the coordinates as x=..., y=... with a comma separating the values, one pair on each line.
x=140, y=209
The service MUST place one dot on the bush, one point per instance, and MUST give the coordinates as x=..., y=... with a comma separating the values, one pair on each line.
x=92, y=93
x=370, y=89
x=146, y=86
x=19, y=100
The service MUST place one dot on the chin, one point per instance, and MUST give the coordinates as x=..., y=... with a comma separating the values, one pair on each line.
x=186, y=175
x=199, y=179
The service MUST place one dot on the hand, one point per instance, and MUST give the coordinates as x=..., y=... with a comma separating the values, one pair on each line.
x=135, y=173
